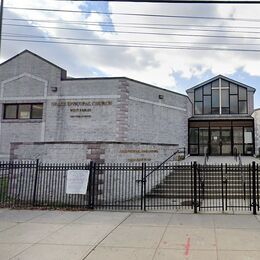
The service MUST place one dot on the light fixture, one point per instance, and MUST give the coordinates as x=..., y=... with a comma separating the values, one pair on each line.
x=161, y=96
x=54, y=89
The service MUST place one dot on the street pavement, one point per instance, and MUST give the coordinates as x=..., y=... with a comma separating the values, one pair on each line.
x=92, y=235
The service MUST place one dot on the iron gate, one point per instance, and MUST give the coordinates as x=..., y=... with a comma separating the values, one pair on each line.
x=228, y=187
x=167, y=186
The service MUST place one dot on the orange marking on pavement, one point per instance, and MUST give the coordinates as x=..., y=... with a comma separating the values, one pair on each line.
x=187, y=247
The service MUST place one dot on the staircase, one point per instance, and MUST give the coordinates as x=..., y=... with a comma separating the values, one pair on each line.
x=178, y=184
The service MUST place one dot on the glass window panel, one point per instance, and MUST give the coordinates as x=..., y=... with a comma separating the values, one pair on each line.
x=242, y=93
x=224, y=84
x=24, y=111
x=242, y=107
x=37, y=111
x=203, y=149
x=215, y=84
x=215, y=149
x=248, y=135
x=233, y=104
x=204, y=136
x=224, y=97
x=238, y=135
x=194, y=149
x=249, y=149
x=225, y=110
x=207, y=89
x=198, y=94
x=198, y=108
x=10, y=111
x=233, y=88
x=215, y=97
x=215, y=110
x=207, y=104
x=226, y=149
x=238, y=148
x=226, y=136
x=194, y=135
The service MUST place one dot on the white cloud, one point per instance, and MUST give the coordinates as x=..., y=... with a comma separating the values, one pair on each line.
x=155, y=66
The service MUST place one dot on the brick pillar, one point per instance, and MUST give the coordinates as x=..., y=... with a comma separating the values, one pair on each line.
x=122, y=111
x=95, y=153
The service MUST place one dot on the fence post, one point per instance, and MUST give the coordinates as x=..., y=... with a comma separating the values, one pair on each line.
x=91, y=190
x=35, y=181
x=143, y=188
x=222, y=188
x=195, y=187
x=254, y=187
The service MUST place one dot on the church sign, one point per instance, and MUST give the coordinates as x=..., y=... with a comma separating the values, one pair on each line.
x=77, y=181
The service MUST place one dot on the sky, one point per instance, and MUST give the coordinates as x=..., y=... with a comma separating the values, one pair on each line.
x=173, y=69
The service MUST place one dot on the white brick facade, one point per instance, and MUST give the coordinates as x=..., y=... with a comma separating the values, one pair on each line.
x=86, y=110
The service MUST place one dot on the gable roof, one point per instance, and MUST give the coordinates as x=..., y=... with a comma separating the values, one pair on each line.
x=221, y=77
x=37, y=56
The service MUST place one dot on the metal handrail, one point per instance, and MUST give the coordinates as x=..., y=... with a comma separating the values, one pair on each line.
x=206, y=157
x=235, y=153
x=202, y=178
x=242, y=174
x=239, y=159
x=165, y=161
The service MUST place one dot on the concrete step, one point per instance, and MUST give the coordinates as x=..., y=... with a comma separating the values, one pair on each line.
x=216, y=186
x=217, y=192
x=190, y=197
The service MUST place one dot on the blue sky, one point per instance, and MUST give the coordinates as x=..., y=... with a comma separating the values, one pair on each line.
x=175, y=70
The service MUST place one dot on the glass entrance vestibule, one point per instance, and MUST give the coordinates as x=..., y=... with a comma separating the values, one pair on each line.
x=221, y=137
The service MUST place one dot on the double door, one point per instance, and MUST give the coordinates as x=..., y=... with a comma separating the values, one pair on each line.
x=220, y=141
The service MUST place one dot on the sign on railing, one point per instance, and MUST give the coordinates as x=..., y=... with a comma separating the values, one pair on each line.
x=77, y=181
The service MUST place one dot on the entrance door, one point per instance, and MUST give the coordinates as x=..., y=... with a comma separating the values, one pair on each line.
x=215, y=141
x=226, y=141
x=220, y=141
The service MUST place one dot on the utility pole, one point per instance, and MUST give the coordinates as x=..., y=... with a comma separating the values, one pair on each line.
x=1, y=24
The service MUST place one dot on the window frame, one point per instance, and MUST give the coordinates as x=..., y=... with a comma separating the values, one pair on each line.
x=17, y=111
x=242, y=100
x=228, y=109
x=4, y=109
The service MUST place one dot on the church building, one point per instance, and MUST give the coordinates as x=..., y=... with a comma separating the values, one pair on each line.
x=49, y=116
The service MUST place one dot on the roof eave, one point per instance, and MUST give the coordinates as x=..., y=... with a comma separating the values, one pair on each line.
x=190, y=90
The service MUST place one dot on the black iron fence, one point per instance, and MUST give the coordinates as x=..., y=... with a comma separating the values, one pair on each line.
x=171, y=186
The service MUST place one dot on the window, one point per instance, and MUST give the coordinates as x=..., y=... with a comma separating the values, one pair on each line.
x=242, y=107
x=10, y=112
x=248, y=140
x=233, y=99
x=37, y=111
x=207, y=89
x=23, y=111
x=225, y=101
x=215, y=101
x=198, y=108
x=194, y=135
x=233, y=89
x=242, y=93
x=194, y=141
x=207, y=104
x=233, y=104
x=238, y=135
x=198, y=94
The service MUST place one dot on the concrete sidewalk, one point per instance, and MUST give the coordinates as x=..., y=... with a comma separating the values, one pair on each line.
x=63, y=235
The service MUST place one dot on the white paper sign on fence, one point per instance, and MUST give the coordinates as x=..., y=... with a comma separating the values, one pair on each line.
x=77, y=181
